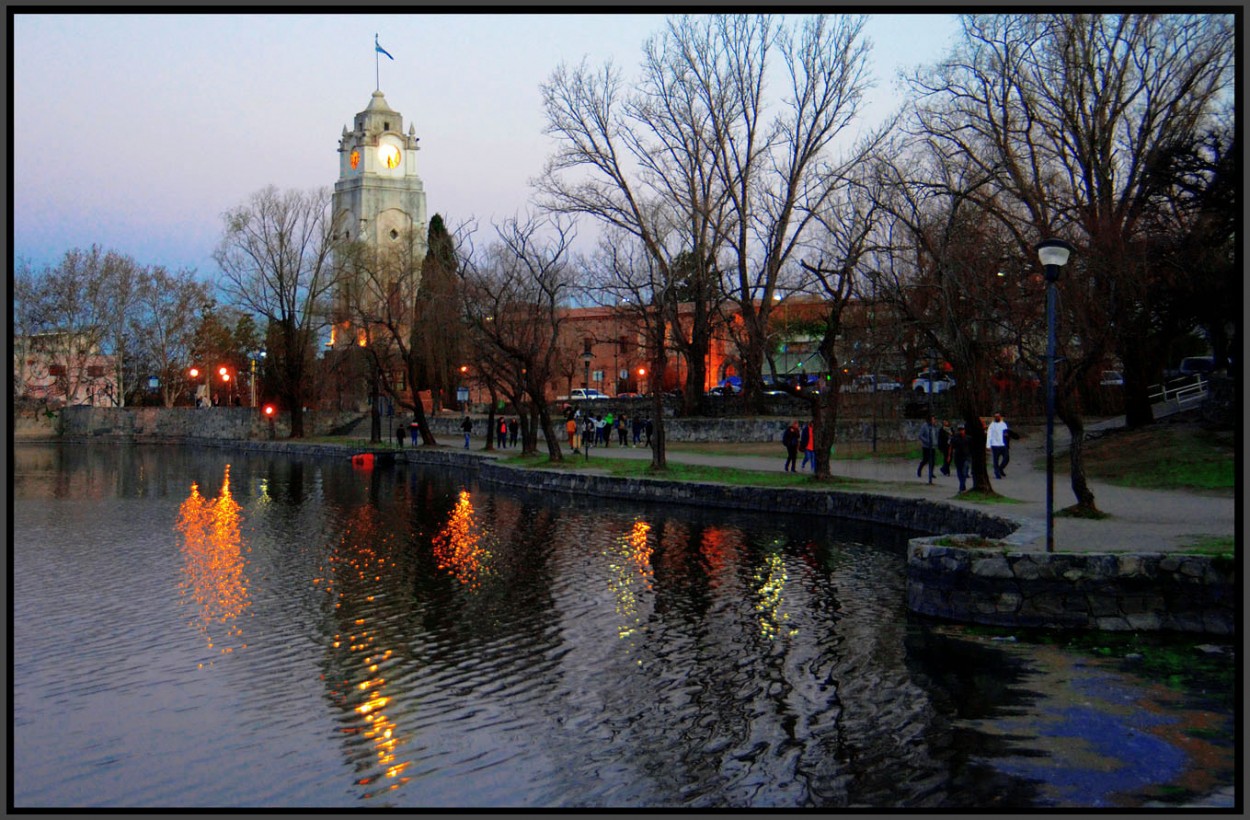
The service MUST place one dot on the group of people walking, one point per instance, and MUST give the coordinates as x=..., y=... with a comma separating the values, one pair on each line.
x=596, y=430
x=955, y=448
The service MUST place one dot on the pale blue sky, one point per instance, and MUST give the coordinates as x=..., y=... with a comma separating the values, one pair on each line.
x=138, y=131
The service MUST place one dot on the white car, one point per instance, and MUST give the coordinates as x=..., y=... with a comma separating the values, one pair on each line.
x=865, y=384
x=938, y=382
x=584, y=393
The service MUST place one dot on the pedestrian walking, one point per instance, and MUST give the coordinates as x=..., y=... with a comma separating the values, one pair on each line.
x=790, y=438
x=400, y=435
x=960, y=454
x=928, y=447
x=501, y=433
x=570, y=427
x=622, y=430
x=996, y=443
x=414, y=431
x=589, y=431
x=944, y=446
x=805, y=445
x=467, y=427
x=637, y=431
x=514, y=430
x=647, y=428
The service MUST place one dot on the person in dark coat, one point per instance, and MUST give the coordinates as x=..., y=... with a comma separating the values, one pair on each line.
x=960, y=453
x=790, y=438
x=944, y=446
x=400, y=435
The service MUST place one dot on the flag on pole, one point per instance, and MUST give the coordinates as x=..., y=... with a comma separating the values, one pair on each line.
x=379, y=48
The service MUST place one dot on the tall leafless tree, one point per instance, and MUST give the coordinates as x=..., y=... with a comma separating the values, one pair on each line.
x=642, y=160
x=277, y=256
x=777, y=169
x=514, y=299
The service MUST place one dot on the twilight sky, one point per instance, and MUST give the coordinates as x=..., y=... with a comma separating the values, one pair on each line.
x=137, y=131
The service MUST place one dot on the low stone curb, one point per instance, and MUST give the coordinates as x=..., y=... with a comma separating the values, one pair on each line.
x=1115, y=592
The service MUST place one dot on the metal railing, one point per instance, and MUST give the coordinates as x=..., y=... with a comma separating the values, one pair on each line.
x=1180, y=392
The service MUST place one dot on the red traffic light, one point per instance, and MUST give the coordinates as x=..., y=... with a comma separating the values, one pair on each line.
x=270, y=409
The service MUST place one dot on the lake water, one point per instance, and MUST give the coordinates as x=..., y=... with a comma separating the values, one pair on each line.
x=211, y=628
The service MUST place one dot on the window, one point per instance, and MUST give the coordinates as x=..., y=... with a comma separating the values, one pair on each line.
x=95, y=371
x=56, y=370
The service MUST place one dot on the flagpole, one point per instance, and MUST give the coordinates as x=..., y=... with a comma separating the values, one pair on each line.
x=377, y=76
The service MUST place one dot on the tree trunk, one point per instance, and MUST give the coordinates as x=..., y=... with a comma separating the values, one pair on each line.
x=1137, y=375
x=543, y=420
x=752, y=374
x=297, y=416
x=1076, y=459
x=824, y=427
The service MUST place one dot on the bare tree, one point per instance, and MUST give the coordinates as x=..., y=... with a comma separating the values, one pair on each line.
x=68, y=314
x=277, y=257
x=399, y=318
x=514, y=301
x=649, y=156
x=776, y=171
x=166, y=326
x=647, y=296
x=1063, y=114
x=846, y=229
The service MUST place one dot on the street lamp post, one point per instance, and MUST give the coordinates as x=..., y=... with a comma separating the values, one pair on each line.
x=586, y=357
x=254, y=357
x=1054, y=255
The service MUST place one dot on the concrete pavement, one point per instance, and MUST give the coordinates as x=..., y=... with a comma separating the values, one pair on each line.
x=1139, y=520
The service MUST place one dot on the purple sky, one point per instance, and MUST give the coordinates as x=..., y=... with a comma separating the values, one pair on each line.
x=137, y=131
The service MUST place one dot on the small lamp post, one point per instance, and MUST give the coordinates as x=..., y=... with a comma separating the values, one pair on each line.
x=1054, y=255
x=254, y=357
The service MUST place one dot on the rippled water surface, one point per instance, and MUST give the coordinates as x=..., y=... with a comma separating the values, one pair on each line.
x=207, y=628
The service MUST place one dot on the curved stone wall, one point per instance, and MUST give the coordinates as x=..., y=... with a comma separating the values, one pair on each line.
x=1108, y=591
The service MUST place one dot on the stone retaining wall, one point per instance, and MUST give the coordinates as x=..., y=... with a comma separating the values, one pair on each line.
x=905, y=514
x=246, y=423
x=1107, y=591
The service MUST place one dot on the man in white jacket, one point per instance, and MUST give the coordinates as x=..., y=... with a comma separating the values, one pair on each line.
x=996, y=443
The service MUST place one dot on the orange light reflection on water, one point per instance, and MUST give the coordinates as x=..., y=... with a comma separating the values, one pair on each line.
x=213, y=577
x=458, y=546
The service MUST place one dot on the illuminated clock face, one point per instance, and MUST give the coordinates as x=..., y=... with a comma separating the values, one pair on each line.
x=355, y=160
x=389, y=155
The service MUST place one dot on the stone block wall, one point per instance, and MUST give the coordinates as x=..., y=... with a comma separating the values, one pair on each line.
x=1107, y=591
x=246, y=423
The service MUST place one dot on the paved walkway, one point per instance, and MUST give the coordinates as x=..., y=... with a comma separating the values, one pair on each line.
x=1140, y=520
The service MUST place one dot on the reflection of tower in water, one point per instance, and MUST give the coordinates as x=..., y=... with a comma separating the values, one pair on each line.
x=213, y=578
x=360, y=572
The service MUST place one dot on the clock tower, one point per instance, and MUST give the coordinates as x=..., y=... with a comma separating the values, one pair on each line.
x=379, y=199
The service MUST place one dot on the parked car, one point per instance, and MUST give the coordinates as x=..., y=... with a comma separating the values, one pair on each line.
x=1111, y=378
x=865, y=384
x=1197, y=365
x=629, y=395
x=583, y=393
x=939, y=382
